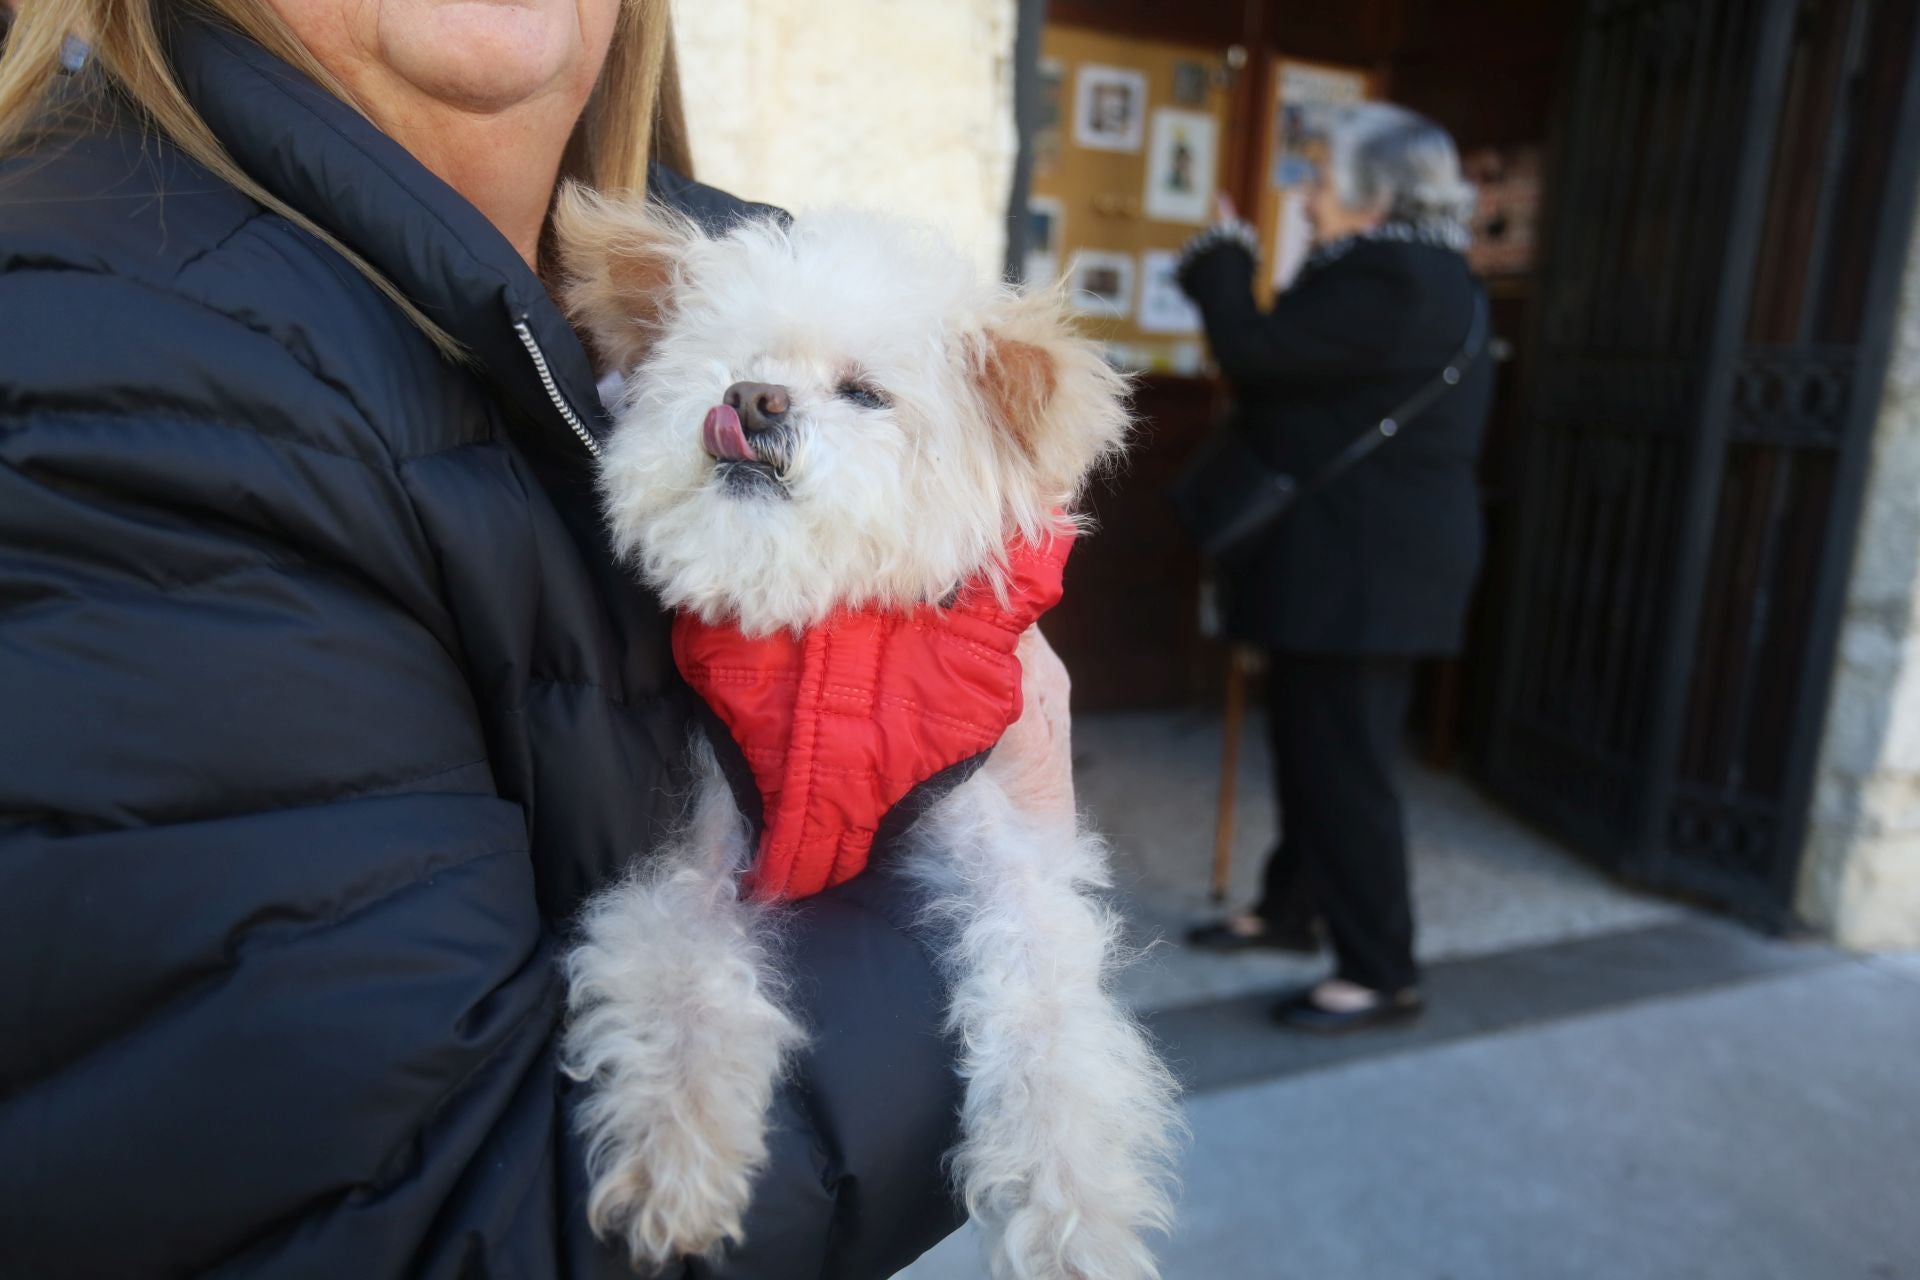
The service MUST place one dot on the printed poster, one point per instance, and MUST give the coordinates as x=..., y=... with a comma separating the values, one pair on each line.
x=1180, y=166
x=1163, y=308
x=1101, y=283
x=1045, y=225
x=1109, y=107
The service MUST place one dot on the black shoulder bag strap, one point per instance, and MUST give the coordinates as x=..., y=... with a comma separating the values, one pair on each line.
x=1228, y=495
x=1407, y=410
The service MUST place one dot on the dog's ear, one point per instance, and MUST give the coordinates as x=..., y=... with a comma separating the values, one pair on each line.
x=1060, y=408
x=620, y=263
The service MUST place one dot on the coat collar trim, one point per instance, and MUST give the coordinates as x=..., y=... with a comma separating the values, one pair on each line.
x=329, y=161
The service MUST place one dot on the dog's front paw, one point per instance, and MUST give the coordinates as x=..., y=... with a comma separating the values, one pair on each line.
x=665, y=1193
x=1070, y=1124
x=676, y=1120
x=1052, y=1240
x=1068, y=1165
x=680, y=1040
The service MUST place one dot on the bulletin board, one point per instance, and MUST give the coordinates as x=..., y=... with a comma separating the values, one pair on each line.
x=1129, y=149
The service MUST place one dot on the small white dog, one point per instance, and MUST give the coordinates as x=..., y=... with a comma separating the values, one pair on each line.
x=903, y=422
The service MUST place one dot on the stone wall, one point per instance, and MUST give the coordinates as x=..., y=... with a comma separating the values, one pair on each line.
x=903, y=105
x=1860, y=880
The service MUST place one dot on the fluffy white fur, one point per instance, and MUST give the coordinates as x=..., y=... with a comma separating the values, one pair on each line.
x=890, y=505
x=994, y=415
x=1069, y=1122
x=673, y=1014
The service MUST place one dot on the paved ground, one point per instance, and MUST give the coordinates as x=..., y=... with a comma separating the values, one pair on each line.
x=1606, y=1087
x=1767, y=1129
x=1483, y=883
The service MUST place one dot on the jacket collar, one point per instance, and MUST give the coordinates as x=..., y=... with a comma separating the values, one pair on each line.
x=330, y=162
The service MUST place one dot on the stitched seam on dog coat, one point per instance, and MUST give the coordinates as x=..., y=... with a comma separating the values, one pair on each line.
x=839, y=724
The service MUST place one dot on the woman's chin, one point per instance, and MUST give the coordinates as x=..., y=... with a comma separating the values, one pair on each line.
x=483, y=56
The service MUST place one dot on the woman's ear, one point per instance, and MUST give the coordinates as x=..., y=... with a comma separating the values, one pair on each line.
x=620, y=263
x=1059, y=407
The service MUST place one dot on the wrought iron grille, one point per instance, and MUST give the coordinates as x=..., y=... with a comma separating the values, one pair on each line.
x=1732, y=205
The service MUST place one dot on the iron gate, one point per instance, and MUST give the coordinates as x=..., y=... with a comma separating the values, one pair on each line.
x=1732, y=204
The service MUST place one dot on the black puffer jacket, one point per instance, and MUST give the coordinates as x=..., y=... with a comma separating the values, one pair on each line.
x=324, y=707
x=1381, y=561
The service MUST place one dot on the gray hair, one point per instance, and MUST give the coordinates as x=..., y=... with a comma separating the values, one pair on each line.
x=1380, y=155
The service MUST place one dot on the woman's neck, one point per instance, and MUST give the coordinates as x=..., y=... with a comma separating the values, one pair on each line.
x=486, y=96
x=506, y=165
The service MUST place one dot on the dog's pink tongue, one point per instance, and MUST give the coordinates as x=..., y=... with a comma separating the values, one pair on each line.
x=722, y=435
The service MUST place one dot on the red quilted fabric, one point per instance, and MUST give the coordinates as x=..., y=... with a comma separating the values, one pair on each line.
x=840, y=723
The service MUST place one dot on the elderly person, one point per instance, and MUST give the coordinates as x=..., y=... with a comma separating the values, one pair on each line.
x=326, y=703
x=1370, y=569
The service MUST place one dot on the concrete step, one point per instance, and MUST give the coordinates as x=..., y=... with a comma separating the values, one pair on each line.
x=1221, y=1043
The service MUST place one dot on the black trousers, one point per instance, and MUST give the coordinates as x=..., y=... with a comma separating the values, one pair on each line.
x=1336, y=725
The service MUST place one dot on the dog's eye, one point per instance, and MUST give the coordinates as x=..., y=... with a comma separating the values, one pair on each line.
x=862, y=394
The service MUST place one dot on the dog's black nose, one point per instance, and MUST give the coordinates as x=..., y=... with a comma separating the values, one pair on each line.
x=762, y=406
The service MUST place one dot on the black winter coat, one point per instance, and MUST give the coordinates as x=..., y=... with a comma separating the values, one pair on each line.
x=1382, y=561
x=325, y=705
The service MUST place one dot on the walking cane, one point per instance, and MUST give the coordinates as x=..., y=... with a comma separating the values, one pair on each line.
x=1229, y=770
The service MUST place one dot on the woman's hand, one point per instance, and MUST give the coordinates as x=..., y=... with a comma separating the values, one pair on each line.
x=1033, y=762
x=1227, y=228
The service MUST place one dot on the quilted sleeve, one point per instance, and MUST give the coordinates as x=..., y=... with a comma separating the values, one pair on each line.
x=277, y=996
x=1352, y=320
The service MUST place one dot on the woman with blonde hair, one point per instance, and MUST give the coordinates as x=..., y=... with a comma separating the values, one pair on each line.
x=326, y=703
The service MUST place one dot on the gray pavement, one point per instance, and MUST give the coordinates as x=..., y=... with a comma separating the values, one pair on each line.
x=1607, y=1086
x=1768, y=1130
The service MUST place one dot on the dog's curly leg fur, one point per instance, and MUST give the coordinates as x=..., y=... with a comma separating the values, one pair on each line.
x=675, y=1019
x=1070, y=1123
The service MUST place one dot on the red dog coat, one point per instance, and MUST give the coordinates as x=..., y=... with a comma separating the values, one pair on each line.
x=840, y=723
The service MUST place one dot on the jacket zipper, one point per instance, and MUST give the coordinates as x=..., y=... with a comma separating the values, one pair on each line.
x=553, y=392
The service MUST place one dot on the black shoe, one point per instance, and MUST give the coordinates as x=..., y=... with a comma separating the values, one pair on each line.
x=1301, y=1013
x=1219, y=936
